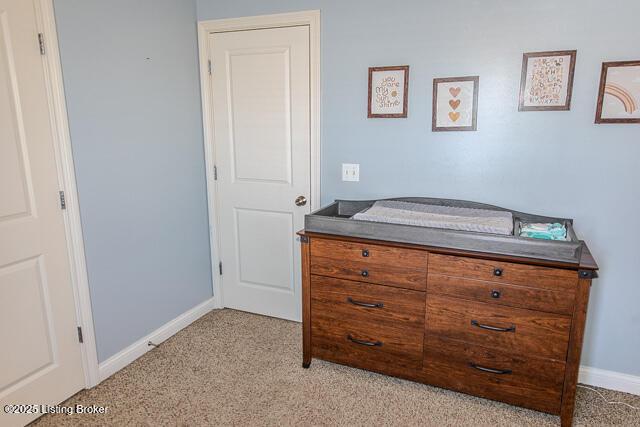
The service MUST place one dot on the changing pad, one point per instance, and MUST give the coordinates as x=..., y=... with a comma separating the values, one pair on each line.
x=448, y=217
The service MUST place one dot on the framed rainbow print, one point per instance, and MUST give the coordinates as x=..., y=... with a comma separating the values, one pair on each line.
x=619, y=94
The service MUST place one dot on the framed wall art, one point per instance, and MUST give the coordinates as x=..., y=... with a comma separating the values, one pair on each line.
x=619, y=94
x=455, y=104
x=388, y=92
x=547, y=80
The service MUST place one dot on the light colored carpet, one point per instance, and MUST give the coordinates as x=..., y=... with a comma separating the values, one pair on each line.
x=234, y=368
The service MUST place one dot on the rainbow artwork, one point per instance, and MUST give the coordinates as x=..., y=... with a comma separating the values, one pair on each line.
x=621, y=94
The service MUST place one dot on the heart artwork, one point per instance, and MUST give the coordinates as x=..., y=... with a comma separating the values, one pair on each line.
x=454, y=91
x=454, y=103
x=454, y=116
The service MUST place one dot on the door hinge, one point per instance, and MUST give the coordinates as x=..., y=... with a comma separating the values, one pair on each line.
x=215, y=173
x=80, y=339
x=210, y=67
x=63, y=201
x=41, y=43
x=220, y=267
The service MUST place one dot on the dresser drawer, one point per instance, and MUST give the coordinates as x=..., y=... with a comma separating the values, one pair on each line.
x=401, y=277
x=502, y=293
x=366, y=254
x=486, y=372
x=366, y=325
x=366, y=345
x=380, y=305
x=511, y=330
x=504, y=272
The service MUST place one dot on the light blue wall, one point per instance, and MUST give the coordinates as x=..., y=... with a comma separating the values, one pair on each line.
x=556, y=163
x=131, y=80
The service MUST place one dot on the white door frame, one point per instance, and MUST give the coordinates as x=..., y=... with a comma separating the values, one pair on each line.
x=67, y=182
x=310, y=18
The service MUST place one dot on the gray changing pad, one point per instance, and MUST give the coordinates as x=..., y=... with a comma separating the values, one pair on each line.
x=447, y=217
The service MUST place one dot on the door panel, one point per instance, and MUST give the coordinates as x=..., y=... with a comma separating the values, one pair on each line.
x=24, y=296
x=258, y=233
x=260, y=111
x=40, y=360
x=16, y=197
x=261, y=108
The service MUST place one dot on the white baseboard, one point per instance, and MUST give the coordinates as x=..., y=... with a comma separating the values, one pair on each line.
x=609, y=379
x=140, y=347
x=590, y=376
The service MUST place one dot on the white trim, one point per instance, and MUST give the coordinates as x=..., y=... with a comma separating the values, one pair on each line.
x=609, y=379
x=140, y=347
x=310, y=18
x=66, y=178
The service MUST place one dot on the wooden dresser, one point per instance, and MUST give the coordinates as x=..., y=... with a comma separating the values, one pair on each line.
x=503, y=328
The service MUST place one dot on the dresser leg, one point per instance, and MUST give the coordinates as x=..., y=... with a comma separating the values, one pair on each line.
x=575, y=349
x=306, y=302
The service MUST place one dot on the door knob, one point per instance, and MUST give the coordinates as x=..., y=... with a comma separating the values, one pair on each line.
x=301, y=201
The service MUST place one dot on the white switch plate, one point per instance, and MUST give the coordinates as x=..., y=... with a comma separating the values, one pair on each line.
x=350, y=172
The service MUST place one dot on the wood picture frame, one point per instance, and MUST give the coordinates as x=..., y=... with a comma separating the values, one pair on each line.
x=629, y=102
x=439, y=122
x=376, y=106
x=564, y=92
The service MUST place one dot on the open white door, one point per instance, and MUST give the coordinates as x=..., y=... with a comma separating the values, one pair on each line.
x=261, y=125
x=40, y=358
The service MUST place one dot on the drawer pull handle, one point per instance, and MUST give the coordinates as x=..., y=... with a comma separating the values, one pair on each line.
x=365, y=253
x=365, y=304
x=495, y=294
x=490, y=370
x=365, y=343
x=497, y=272
x=364, y=273
x=511, y=328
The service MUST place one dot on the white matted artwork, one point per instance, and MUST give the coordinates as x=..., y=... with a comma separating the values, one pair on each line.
x=388, y=92
x=547, y=80
x=619, y=95
x=455, y=103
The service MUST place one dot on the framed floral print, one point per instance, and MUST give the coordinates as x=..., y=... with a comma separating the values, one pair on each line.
x=388, y=92
x=455, y=104
x=547, y=80
x=619, y=94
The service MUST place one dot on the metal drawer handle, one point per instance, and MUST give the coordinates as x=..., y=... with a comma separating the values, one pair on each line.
x=495, y=294
x=365, y=253
x=365, y=343
x=365, y=304
x=364, y=273
x=511, y=328
x=497, y=272
x=490, y=370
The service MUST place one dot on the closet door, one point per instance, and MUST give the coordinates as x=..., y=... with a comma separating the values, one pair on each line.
x=40, y=359
x=261, y=108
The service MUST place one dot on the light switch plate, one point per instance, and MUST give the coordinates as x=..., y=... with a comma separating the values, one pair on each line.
x=350, y=172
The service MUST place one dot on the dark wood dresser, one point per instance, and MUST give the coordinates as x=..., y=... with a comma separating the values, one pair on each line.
x=503, y=328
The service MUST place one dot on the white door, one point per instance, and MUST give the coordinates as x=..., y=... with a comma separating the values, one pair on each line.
x=261, y=108
x=40, y=359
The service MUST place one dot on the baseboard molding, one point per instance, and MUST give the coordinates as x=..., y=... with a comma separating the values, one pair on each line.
x=590, y=376
x=609, y=379
x=140, y=347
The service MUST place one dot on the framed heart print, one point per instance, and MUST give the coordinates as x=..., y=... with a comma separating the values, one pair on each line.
x=455, y=104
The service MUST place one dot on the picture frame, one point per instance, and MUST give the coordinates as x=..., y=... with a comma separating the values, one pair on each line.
x=546, y=82
x=619, y=93
x=455, y=104
x=388, y=94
